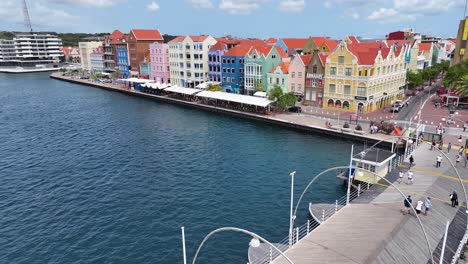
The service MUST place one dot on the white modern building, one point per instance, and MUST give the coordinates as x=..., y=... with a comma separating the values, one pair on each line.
x=31, y=50
x=188, y=60
x=97, y=59
x=86, y=48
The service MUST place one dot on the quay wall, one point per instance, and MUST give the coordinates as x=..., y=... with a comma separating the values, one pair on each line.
x=263, y=118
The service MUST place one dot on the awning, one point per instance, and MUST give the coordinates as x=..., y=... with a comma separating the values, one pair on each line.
x=182, y=90
x=260, y=94
x=135, y=80
x=205, y=84
x=236, y=98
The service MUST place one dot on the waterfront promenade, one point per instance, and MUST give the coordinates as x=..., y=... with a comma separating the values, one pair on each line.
x=372, y=229
x=314, y=124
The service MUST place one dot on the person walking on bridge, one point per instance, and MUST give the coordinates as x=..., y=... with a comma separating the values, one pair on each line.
x=449, y=147
x=438, y=161
x=454, y=199
x=427, y=205
x=407, y=204
x=411, y=161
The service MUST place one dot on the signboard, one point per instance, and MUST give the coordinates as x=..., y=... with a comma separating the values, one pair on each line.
x=371, y=97
x=364, y=98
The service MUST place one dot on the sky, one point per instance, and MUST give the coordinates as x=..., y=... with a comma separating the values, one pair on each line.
x=241, y=18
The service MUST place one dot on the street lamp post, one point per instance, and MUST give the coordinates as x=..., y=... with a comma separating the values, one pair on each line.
x=291, y=215
x=254, y=242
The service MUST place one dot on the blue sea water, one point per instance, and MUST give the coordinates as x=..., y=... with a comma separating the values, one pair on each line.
x=91, y=176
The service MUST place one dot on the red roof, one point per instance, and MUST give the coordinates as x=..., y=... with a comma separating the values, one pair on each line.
x=147, y=34
x=198, y=38
x=178, y=39
x=252, y=42
x=366, y=52
x=284, y=67
x=271, y=41
x=425, y=46
x=294, y=43
x=98, y=51
x=281, y=52
x=238, y=51
x=218, y=46
x=318, y=40
x=331, y=44
x=323, y=57
x=306, y=59
x=353, y=39
x=68, y=51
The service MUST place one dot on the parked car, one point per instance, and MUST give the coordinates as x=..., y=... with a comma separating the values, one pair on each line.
x=295, y=109
x=399, y=103
x=395, y=108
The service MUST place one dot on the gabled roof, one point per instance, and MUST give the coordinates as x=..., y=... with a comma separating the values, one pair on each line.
x=323, y=57
x=218, y=46
x=115, y=35
x=283, y=66
x=177, y=39
x=271, y=41
x=252, y=42
x=331, y=44
x=238, y=51
x=281, y=52
x=425, y=46
x=264, y=50
x=147, y=34
x=193, y=38
x=318, y=40
x=294, y=43
x=68, y=51
x=306, y=59
x=366, y=52
x=98, y=51
x=353, y=39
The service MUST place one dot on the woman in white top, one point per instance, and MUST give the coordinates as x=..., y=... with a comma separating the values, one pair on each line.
x=419, y=207
x=410, y=177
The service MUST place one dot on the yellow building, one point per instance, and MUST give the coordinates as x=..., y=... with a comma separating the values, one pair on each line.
x=364, y=77
x=460, y=53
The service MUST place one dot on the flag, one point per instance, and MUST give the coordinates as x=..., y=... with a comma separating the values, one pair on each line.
x=397, y=131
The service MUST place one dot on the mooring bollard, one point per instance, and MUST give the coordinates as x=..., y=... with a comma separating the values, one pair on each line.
x=336, y=206
x=358, y=190
x=308, y=226
x=368, y=186
x=323, y=215
x=297, y=234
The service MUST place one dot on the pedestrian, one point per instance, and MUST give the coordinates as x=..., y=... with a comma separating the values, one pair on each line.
x=419, y=206
x=457, y=160
x=410, y=177
x=454, y=198
x=400, y=177
x=411, y=161
x=466, y=160
x=427, y=205
x=460, y=150
x=433, y=144
x=465, y=126
x=449, y=147
x=441, y=144
x=438, y=161
x=460, y=139
x=407, y=204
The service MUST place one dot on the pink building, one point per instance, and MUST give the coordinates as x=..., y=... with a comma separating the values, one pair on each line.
x=297, y=70
x=159, y=55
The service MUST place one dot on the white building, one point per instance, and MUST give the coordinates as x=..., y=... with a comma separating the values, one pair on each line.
x=30, y=50
x=86, y=48
x=188, y=60
x=97, y=59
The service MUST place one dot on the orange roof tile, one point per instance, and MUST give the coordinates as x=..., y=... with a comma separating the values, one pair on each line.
x=306, y=59
x=331, y=44
x=318, y=40
x=98, y=51
x=147, y=34
x=284, y=67
x=353, y=39
x=115, y=35
x=271, y=41
x=198, y=38
x=218, y=46
x=252, y=42
x=237, y=51
x=323, y=57
x=177, y=39
x=425, y=46
x=294, y=43
x=281, y=52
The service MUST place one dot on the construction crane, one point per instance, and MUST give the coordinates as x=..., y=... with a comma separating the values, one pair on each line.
x=27, y=19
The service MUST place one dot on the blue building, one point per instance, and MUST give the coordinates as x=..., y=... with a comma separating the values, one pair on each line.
x=232, y=65
x=122, y=62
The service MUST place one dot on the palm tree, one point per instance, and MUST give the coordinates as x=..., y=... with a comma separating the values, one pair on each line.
x=461, y=87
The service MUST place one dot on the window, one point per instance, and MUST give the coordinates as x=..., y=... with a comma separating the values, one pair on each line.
x=277, y=80
x=282, y=81
x=314, y=69
x=341, y=59
x=273, y=56
x=372, y=168
x=347, y=89
x=293, y=87
x=271, y=80
x=361, y=91
x=332, y=88
x=378, y=71
x=348, y=71
x=293, y=74
x=299, y=74
x=366, y=166
x=232, y=70
x=332, y=70
x=224, y=60
x=299, y=87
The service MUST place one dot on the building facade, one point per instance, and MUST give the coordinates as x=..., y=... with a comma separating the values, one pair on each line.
x=159, y=55
x=110, y=50
x=86, y=48
x=97, y=59
x=188, y=60
x=145, y=67
x=258, y=63
x=460, y=53
x=292, y=46
x=279, y=76
x=31, y=50
x=364, y=77
x=232, y=64
x=297, y=74
x=123, y=63
x=314, y=80
x=138, y=45
x=71, y=54
x=215, y=62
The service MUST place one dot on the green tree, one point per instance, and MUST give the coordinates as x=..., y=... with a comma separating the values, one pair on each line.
x=275, y=93
x=214, y=88
x=258, y=86
x=461, y=86
x=115, y=75
x=414, y=79
x=286, y=100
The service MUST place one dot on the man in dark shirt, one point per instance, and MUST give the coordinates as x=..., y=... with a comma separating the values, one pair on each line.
x=408, y=203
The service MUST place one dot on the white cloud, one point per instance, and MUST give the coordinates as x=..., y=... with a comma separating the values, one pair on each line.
x=87, y=3
x=240, y=7
x=389, y=15
x=153, y=7
x=355, y=15
x=202, y=3
x=292, y=5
